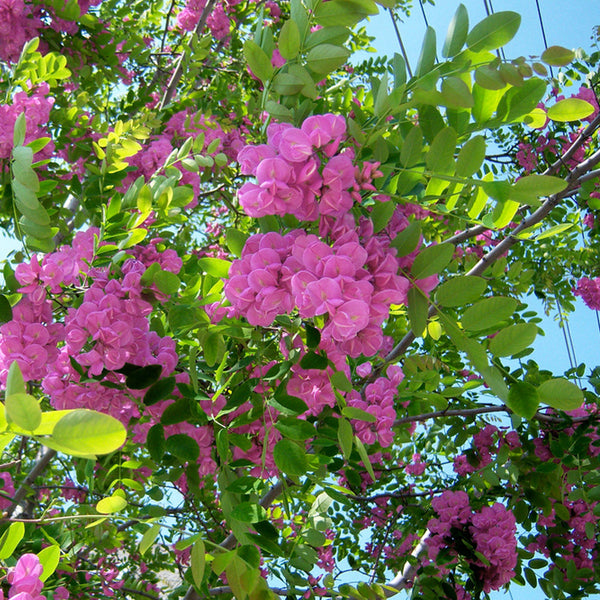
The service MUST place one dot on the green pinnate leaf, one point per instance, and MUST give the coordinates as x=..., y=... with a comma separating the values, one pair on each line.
x=289, y=40
x=290, y=458
x=459, y=291
x=513, y=339
x=523, y=399
x=258, y=61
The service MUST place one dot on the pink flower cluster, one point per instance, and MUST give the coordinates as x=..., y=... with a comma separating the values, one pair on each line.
x=25, y=579
x=490, y=531
x=487, y=442
x=300, y=171
x=106, y=329
x=19, y=22
x=378, y=400
x=36, y=105
x=589, y=291
x=353, y=289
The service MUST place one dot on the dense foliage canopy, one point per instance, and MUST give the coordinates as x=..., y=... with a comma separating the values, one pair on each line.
x=267, y=333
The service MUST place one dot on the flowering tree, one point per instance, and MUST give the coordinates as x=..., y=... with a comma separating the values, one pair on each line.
x=268, y=334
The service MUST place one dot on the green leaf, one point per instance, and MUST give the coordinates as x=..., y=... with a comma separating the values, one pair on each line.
x=111, y=504
x=344, y=12
x=217, y=267
x=198, y=562
x=571, y=109
x=520, y=101
x=552, y=231
x=459, y=291
x=488, y=312
x=407, y=240
x=312, y=360
x=440, y=157
x=536, y=186
x=336, y=35
x=235, y=240
x=249, y=512
x=381, y=213
x=14, y=381
x=20, y=130
x=149, y=537
x=289, y=405
x=513, y=339
x=325, y=58
x=160, y=390
x=399, y=70
x=287, y=84
x=471, y=157
x=49, y=559
x=258, y=61
x=560, y=394
x=457, y=33
x=142, y=377
x=10, y=539
x=155, y=442
x=432, y=259
x=353, y=412
x=341, y=381
x=183, y=447
x=290, y=458
x=345, y=437
x=88, y=432
x=428, y=53
x=289, y=40
x=24, y=411
x=412, y=148
x=167, y=282
x=313, y=336
x=494, y=31
x=295, y=429
x=489, y=78
x=557, y=56
x=523, y=399
x=417, y=311
x=5, y=310
x=362, y=452
x=456, y=93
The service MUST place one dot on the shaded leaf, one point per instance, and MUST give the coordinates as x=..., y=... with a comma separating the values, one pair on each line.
x=457, y=33
x=561, y=394
x=523, y=399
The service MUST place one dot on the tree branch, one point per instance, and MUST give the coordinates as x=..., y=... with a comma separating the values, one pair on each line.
x=177, y=74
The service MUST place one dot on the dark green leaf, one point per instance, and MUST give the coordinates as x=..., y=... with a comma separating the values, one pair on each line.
x=143, y=377
x=159, y=391
x=183, y=447
x=312, y=360
x=290, y=458
x=155, y=442
x=408, y=239
x=352, y=412
x=313, y=336
x=381, y=214
x=345, y=437
x=295, y=429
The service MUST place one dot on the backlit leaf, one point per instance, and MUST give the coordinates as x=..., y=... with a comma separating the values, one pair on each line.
x=560, y=394
x=523, y=399
x=570, y=109
x=111, y=504
x=49, y=559
x=471, y=157
x=23, y=410
x=494, y=31
x=457, y=33
x=557, y=56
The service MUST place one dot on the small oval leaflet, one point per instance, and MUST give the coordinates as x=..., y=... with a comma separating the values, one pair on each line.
x=571, y=109
x=290, y=458
x=88, y=432
x=513, y=339
x=459, y=291
x=561, y=394
x=488, y=312
x=111, y=504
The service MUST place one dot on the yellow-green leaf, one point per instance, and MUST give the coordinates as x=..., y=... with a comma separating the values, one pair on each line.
x=570, y=109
